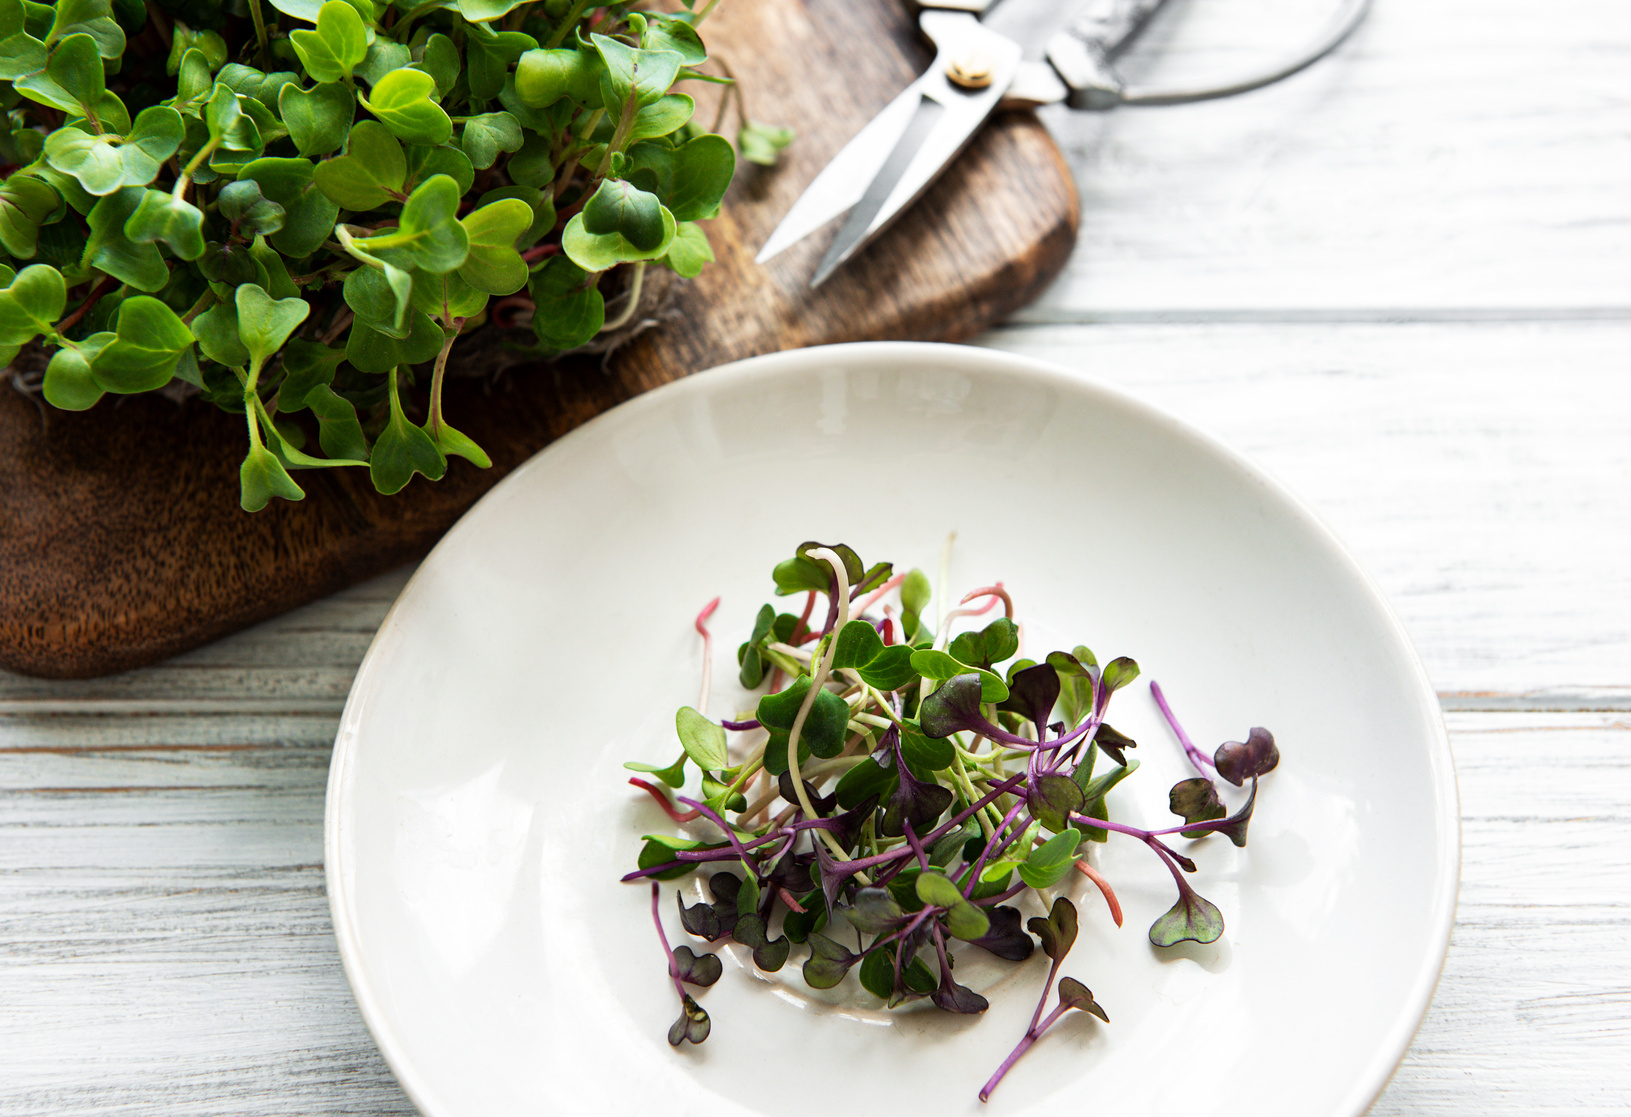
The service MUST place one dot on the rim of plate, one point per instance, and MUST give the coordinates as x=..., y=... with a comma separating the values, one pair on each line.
x=1411, y=1012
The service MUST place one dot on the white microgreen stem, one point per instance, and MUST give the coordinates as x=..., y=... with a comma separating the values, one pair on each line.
x=185, y=179
x=707, y=654
x=943, y=579
x=818, y=679
x=632, y=304
x=1199, y=759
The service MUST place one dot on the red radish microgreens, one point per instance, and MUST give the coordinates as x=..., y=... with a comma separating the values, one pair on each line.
x=903, y=788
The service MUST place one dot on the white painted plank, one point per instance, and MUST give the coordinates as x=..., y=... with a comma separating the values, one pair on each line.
x=1454, y=154
x=1481, y=472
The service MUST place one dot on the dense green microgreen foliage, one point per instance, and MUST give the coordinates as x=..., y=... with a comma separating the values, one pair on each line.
x=893, y=794
x=377, y=172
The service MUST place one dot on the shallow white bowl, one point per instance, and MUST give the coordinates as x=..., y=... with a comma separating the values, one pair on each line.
x=478, y=815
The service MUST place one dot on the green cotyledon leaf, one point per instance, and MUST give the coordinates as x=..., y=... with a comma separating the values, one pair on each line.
x=69, y=383
x=690, y=251
x=31, y=303
x=337, y=45
x=26, y=203
x=600, y=251
x=261, y=477
x=429, y=235
x=643, y=75
x=402, y=102
x=92, y=160
x=570, y=309
x=108, y=249
x=620, y=207
x=703, y=740
x=373, y=170
x=493, y=265
x=401, y=450
x=318, y=119
x=487, y=135
x=265, y=323
x=150, y=339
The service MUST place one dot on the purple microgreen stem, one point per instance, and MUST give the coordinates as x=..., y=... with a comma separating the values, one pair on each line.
x=1203, y=763
x=730, y=832
x=995, y=845
x=662, y=937
x=917, y=846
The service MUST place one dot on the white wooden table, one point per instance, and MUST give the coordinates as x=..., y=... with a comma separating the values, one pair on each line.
x=1401, y=281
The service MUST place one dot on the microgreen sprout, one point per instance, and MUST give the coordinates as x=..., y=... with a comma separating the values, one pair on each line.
x=905, y=792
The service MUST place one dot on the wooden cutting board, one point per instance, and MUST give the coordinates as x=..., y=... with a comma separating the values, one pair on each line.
x=121, y=540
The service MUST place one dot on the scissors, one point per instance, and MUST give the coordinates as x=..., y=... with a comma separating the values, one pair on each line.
x=977, y=70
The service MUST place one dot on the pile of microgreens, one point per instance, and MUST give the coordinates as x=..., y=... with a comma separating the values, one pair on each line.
x=288, y=205
x=902, y=780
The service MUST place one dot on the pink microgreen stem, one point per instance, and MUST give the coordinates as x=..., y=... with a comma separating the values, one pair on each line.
x=662, y=801
x=1105, y=890
x=1196, y=757
x=993, y=592
x=801, y=630
x=879, y=592
x=707, y=654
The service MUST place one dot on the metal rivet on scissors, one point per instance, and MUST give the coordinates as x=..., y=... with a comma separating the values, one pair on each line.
x=976, y=70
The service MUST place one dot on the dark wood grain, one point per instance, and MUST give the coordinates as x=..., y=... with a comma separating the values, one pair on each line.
x=121, y=540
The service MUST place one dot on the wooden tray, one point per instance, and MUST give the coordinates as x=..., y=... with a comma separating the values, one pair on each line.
x=121, y=540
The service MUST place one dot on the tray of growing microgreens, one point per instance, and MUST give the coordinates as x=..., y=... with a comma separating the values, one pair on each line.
x=894, y=725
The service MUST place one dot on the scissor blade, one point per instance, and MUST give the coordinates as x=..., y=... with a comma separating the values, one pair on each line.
x=854, y=172
x=883, y=184
x=842, y=181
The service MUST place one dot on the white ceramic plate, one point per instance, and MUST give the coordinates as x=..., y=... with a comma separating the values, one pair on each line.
x=479, y=818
